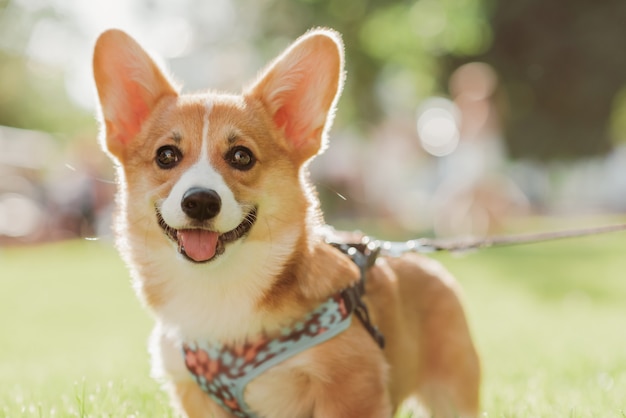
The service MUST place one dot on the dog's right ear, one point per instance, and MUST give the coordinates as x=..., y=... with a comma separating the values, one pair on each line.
x=129, y=84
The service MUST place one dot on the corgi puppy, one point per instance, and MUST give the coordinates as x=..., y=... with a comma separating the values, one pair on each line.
x=223, y=235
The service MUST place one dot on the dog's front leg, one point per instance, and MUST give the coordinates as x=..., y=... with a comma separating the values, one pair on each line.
x=347, y=401
x=373, y=407
x=354, y=381
x=189, y=399
x=168, y=366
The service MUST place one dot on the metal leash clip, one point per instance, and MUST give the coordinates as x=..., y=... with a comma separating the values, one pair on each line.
x=399, y=248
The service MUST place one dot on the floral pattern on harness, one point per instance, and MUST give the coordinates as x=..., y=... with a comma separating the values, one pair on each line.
x=223, y=371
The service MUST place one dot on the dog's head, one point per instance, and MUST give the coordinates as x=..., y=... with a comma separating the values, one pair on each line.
x=209, y=171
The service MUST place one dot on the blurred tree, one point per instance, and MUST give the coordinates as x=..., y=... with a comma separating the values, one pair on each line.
x=33, y=94
x=34, y=97
x=393, y=47
x=561, y=64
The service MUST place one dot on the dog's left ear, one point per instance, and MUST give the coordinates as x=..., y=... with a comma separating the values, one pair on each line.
x=300, y=90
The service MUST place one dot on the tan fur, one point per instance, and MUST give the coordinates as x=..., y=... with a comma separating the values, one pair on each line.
x=415, y=303
x=283, y=268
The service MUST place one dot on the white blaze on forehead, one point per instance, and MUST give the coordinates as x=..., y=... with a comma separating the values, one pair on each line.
x=204, y=151
x=202, y=174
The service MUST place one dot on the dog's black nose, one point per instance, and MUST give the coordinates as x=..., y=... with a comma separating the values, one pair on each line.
x=201, y=204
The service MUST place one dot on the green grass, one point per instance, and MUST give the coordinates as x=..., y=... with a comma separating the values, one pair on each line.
x=72, y=335
x=549, y=321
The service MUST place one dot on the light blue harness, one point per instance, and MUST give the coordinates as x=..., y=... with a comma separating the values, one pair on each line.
x=223, y=372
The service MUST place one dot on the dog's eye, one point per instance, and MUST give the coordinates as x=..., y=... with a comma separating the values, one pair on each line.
x=168, y=156
x=240, y=158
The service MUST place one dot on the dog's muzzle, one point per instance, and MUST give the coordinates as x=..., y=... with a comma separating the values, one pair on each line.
x=202, y=244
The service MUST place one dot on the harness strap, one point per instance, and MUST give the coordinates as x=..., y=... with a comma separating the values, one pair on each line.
x=364, y=255
x=223, y=371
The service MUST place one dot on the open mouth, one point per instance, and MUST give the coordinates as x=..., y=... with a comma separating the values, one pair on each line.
x=202, y=245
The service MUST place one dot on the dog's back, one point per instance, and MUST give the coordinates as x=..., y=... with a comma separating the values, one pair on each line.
x=415, y=303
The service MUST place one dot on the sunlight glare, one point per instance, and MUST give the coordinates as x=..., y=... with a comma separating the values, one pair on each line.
x=437, y=127
x=68, y=46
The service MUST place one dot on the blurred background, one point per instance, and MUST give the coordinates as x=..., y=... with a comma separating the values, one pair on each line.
x=458, y=118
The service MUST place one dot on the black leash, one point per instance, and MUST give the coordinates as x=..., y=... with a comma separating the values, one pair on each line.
x=364, y=256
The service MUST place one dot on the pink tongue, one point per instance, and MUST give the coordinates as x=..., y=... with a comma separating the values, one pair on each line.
x=199, y=245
